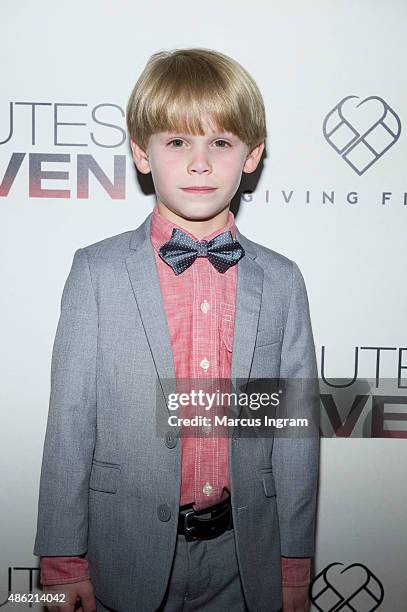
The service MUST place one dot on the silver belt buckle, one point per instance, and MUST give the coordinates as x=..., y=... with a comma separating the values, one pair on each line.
x=188, y=528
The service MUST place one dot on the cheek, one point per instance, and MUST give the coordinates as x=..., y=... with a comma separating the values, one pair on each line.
x=231, y=169
x=164, y=172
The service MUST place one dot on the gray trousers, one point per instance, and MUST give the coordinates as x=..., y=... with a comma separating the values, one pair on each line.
x=204, y=577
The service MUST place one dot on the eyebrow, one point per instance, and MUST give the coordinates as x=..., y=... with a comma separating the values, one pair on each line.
x=186, y=135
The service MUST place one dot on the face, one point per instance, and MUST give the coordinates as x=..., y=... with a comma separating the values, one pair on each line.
x=181, y=163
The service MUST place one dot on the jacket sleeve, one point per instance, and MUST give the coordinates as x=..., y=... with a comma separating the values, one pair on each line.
x=62, y=527
x=295, y=456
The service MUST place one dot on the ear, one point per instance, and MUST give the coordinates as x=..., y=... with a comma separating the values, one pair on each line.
x=140, y=157
x=253, y=158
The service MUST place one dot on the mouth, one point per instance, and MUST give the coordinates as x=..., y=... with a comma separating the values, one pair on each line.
x=199, y=189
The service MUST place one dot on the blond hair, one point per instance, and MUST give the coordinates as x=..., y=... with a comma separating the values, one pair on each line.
x=177, y=87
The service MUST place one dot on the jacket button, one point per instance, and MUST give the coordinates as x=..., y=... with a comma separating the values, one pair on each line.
x=171, y=439
x=164, y=513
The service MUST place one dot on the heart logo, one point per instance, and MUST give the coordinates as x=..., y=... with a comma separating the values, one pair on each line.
x=354, y=587
x=361, y=131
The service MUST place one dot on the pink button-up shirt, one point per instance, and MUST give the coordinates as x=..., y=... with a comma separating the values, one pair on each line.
x=200, y=306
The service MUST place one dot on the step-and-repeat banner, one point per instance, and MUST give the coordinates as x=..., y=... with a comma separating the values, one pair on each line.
x=330, y=194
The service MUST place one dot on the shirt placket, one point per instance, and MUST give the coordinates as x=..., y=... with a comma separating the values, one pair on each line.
x=206, y=370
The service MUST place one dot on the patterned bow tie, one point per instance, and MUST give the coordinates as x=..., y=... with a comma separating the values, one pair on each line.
x=181, y=251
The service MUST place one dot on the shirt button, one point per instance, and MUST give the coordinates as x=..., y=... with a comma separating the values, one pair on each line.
x=205, y=306
x=207, y=489
x=207, y=428
x=204, y=364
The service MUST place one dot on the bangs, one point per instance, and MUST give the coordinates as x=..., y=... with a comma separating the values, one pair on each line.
x=186, y=107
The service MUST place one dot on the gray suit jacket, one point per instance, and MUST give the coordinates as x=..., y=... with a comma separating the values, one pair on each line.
x=110, y=486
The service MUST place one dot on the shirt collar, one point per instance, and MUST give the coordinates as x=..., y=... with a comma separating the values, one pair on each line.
x=161, y=229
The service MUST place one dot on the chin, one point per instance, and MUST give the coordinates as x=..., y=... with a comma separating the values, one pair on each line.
x=198, y=215
x=199, y=211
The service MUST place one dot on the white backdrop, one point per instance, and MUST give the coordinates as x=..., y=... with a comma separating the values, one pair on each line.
x=77, y=62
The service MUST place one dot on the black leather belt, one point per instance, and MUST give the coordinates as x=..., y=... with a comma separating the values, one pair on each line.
x=207, y=523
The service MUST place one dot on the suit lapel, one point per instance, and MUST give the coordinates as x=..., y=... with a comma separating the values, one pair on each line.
x=141, y=267
x=144, y=278
x=248, y=302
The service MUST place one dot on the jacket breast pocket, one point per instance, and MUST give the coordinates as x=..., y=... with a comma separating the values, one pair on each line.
x=269, y=335
x=104, y=477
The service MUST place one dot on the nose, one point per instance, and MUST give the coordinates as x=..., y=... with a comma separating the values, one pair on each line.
x=199, y=162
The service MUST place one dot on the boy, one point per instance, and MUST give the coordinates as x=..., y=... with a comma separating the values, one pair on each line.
x=147, y=522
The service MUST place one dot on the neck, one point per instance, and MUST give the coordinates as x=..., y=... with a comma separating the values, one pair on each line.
x=198, y=228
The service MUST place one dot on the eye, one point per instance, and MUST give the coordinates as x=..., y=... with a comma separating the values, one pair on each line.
x=224, y=142
x=176, y=140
